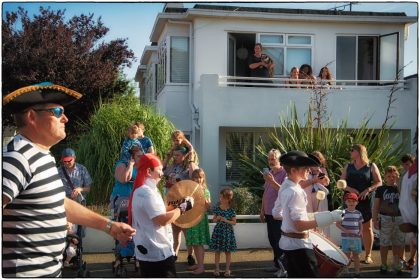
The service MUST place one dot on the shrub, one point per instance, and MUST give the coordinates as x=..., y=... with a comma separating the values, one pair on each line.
x=334, y=143
x=246, y=202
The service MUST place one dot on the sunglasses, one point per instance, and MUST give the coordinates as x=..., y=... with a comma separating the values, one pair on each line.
x=56, y=111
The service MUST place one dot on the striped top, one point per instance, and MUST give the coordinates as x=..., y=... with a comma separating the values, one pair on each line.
x=34, y=222
x=351, y=221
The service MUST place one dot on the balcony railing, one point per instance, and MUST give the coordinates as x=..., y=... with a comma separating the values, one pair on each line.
x=311, y=84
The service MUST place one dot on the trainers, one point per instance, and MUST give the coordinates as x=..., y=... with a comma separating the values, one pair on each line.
x=397, y=269
x=191, y=260
x=280, y=273
x=383, y=268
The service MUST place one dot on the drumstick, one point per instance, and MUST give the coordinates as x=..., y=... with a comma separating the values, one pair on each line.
x=196, y=187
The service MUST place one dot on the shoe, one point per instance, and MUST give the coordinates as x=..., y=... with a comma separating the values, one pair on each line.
x=271, y=269
x=216, y=273
x=383, y=269
x=280, y=274
x=397, y=269
x=410, y=264
x=368, y=260
x=356, y=275
x=190, y=260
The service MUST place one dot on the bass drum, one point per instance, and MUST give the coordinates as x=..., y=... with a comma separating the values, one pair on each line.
x=331, y=260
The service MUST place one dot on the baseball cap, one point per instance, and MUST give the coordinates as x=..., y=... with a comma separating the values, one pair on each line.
x=351, y=196
x=68, y=154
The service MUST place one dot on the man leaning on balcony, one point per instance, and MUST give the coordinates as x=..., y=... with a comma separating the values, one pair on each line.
x=273, y=179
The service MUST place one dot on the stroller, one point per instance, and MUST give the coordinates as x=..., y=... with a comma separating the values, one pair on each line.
x=122, y=252
x=76, y=264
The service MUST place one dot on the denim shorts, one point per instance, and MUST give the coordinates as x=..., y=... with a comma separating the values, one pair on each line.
x=351, y=244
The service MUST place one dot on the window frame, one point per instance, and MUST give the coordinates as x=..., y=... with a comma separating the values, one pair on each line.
x=169, y=65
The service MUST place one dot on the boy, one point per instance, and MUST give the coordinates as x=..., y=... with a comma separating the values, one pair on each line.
x=351, y=242
x=290, y=206
x=386, y=205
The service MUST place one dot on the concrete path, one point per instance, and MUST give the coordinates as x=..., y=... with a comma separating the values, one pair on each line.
x=245, y=264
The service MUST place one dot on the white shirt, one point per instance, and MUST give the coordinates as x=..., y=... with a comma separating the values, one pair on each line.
x=292, y=207
x=407, y=203
x=147, y=204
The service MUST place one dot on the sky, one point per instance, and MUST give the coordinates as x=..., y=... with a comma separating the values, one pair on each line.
x=134, y=20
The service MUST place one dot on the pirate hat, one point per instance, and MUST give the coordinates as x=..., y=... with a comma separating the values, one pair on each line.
x=45, y=92
x=298, y=159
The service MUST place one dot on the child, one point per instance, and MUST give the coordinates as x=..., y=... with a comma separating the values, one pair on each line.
x=386, y=205
x=351, y=226
x=199, y=235
x=72, y=246
x=135, y=137
x=290, y=206
x=223, y=237
x=178, y=139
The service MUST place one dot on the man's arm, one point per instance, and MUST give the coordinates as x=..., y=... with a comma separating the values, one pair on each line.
x=78, y=214
x=6, y=200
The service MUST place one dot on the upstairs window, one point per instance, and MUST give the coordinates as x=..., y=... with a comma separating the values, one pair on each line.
x=287, y=50
x=161, y=65
x=179, y=60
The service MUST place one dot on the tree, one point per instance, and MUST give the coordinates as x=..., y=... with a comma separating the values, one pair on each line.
x=73, y=54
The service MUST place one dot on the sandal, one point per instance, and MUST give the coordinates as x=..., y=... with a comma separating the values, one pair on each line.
x=198, y=271
x=193, y=267
x=410, y=264
x=216, y=273
x=368, y=260
x=227, y=273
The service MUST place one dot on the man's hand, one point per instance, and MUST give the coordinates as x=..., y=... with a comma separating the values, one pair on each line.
x=76, y=191
x=122, y=232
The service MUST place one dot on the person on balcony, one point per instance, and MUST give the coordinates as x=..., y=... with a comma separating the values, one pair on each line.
x=260, y=64
x=294, y=78
x=363, y=178
x=305, y=74
x=273, y=179
x=325, y=77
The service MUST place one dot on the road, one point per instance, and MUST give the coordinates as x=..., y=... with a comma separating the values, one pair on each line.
x=245, y=264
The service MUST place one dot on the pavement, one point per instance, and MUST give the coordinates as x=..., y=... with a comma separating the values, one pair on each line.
x=250, y=263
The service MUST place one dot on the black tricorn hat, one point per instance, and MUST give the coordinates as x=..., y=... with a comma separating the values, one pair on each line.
x=299, y=159
x=45, y=92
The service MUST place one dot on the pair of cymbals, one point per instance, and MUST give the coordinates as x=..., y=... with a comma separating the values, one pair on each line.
x=182, y=189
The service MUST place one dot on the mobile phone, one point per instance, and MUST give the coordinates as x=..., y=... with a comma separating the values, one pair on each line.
x=321, y=175
x=265, y=170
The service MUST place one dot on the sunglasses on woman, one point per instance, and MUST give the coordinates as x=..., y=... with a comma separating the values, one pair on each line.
x=56, y=111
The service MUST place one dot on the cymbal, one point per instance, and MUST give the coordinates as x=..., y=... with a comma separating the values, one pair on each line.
x=181, y=190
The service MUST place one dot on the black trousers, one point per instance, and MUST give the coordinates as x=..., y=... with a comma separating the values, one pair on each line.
x=160, y=269
x=274, y=234
x=301, y=263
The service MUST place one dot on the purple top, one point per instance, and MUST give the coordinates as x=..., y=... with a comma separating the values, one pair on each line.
x=270, y=193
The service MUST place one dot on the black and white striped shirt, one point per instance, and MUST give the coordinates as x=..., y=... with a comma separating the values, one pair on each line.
x=34, y=222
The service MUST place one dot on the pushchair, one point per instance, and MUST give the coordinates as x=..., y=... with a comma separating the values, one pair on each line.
x=76, y=264
x=123, y=254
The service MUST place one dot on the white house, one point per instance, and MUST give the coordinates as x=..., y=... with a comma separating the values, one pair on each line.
x=193, y=72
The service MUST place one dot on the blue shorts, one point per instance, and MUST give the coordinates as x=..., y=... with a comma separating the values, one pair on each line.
x=351, y=244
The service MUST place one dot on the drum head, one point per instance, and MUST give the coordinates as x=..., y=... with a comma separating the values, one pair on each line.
x=328, y=248
x=183, y=189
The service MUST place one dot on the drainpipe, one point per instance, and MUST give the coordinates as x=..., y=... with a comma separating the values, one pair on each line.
x=193, y=109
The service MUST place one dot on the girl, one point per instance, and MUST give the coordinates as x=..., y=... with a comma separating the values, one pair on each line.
x=294, y=77
x=135, y=137
x=325, y=77
x=178, y=139
x=199, y=235
x=223, y=237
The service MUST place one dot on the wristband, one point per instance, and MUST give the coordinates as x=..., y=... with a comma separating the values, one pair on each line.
x=108, y=226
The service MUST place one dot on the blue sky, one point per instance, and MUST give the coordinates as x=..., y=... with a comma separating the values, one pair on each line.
x=134, y=20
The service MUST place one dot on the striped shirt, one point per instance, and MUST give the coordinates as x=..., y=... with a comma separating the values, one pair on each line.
x=351, y=221
x=34, y=222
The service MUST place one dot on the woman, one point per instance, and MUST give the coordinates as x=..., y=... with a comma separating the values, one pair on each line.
x=305, y=73
x=317, y=181
x=180, y=168
x=125, y=173
x=260, y=65
x=363, y=178
x=325, y=77
x=294, y=78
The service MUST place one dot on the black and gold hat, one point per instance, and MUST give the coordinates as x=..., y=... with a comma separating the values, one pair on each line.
x=45, y=92
x=299, y=159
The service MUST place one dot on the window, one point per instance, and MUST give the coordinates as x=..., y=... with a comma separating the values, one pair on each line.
x=179, y=60
x=237, y=144
x=357, y=57
x=287, y=50
x=161, y=65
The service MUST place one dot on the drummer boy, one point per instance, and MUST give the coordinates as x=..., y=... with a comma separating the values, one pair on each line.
x=290, y=206
x=350, y=226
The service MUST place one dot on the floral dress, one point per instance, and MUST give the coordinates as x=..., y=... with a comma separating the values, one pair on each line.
x=223, y=237
x=200, y=233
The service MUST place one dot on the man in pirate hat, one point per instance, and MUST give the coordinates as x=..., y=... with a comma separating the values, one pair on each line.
x=290, y=206
x=35, y=209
